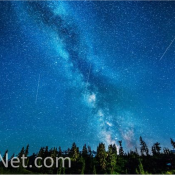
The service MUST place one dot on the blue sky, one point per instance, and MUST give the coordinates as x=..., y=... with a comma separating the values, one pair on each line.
x=86, y=72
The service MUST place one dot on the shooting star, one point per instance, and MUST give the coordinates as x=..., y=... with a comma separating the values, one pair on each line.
x=37, y=89
x=167, y=49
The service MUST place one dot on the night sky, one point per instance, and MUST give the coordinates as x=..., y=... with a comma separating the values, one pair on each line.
x=86, y=72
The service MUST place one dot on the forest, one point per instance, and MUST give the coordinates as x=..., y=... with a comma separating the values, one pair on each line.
x=111, y=160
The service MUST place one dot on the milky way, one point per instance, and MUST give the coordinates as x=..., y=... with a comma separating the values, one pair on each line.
x=86, y=72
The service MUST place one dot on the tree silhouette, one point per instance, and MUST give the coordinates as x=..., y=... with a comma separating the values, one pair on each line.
x=74, y=152
x=21, y=152
x=114, y=149
x=103, y=161
x=156, y=148
x=89, y=151
x=166, y=151
x=172, y=143
x=121, y=152
x=143, y=149
x=27, y=151
x=84, y=151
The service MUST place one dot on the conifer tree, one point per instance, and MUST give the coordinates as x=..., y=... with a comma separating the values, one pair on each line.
x=46, y=152
x=89, y=151
x=21, y=153
x=156, y=148
x=166, y=151
x=121, y=152
x=136, y=151
x=101, y=156
x=111, y=158
x=143, y=149
x=41, y=154
x=59, y=151
x=27, y=151
x=172, y=143
x=114, y=149
x=74, y=152
x=26, y=154
x=54, y=155
x=84, y=151
x=140, y=169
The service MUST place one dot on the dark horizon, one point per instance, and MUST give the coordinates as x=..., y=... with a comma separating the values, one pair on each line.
x=86, y=72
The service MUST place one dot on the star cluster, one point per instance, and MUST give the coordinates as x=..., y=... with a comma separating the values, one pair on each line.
x=86, y=72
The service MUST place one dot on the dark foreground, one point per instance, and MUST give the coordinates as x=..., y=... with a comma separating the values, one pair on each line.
x=86, y=161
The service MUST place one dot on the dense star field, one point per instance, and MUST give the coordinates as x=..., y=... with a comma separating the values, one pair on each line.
x=86, y=72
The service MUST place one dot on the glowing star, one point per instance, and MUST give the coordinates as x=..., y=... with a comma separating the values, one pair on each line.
x=100, y=113
x=109, y=124
x=92, y=98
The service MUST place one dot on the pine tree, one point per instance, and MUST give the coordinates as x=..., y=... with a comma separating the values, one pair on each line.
x=166, y=151
x=59, y=152
x=54, y=155
x=41, y=154
x=89, y=151
x=114, y=149
x=21, y=153
x=111, y=159
x=84, y=151
x=27, y=151
x=172, y=143
x=136, y=151
x=74, y=152
x=121, y=152
x=46, y=152
x=156, y=148
x=143, y=149
x=101, y=156
x=26, y=154
x=140, y=169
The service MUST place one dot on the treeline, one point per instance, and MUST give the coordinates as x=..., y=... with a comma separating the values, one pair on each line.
x=101, y=161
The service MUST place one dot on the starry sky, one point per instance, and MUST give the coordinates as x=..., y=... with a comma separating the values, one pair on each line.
x=86, y=72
